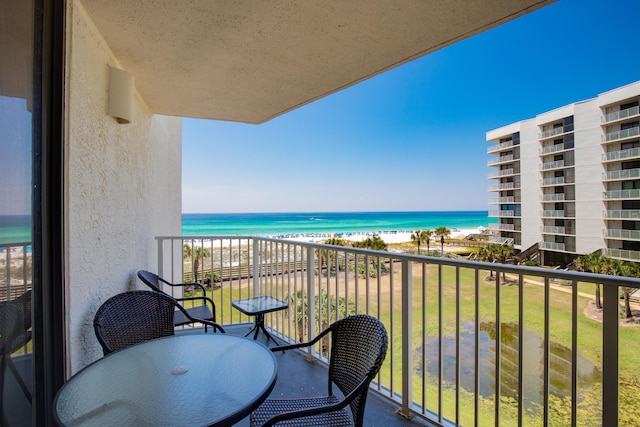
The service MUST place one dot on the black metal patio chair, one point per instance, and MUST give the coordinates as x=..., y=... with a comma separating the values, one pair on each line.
x=136, y=316
x=196, y=312
x=358, y=348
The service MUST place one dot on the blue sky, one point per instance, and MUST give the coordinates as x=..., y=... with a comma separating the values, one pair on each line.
x=413, y=138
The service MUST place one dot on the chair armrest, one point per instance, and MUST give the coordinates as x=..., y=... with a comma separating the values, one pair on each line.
x=198, y=285
x=302, y=344
x=205, y=300
x=214, y=325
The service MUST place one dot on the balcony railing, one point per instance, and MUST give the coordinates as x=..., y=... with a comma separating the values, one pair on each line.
x=499, y=200
x=552, y=181
x=553, y=213
x=500, y=146
x=622, y=174
x=551, y=132
x=554, y=197
x=619, y=115
x=553, y=165
x=622, y=134
x=553, y=246
x=621, y=194
x=622, y=214
x=621, y=154
x=501, y=159
x=502, y=227
x=622, y=234
x=622, y=254
x=458, y=337
x=552, y=149
x=503, y=213
x=501, y=172
x=553, y=230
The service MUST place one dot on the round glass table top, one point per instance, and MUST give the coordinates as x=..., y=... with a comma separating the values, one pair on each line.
x=182, y=380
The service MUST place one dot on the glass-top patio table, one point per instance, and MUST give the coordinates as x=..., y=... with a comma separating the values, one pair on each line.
x=181, y=380
x=258, y=307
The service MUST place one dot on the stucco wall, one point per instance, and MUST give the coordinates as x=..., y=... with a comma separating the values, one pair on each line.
x=123, y=187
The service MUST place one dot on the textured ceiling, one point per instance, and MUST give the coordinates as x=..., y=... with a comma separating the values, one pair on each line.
x=251, y=60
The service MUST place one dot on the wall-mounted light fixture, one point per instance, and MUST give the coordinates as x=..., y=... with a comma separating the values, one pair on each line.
x=120, y=95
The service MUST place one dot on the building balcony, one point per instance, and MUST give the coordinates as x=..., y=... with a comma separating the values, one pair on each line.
x=500, y=160
x=553, y=197
x=553, y=213
x=551, y=133
x=619, y=234
x=440, y=347
x=622, y=214
x=501, y=200
x=559, y=164
x=621, y=134
x=556, y=180
x=500, y=240
x=504, y=186
x=621, y=194
x=503, y=214
x=622, y=254
x=612, y=156
x=553, y=230
x=554, y=148
x=501, y=173
x=621, y=174
x=500, y=147
x=621, y=115
x=503, y=227
x=553, y=246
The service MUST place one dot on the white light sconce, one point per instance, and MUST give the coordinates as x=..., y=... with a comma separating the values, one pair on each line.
x=120, y=95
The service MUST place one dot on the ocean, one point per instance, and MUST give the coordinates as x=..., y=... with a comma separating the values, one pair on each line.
x=286, y=224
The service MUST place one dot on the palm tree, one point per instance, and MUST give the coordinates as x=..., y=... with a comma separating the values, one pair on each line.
x=196, y=255
x=627, y=269
x=443, y=232
x=421, y=236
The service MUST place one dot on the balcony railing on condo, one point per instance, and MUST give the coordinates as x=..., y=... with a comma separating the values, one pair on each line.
x=553, y=165
x=551, y=132
x=503, y=213
x=553, y=246
x=622, y=254
x=554, y=197
x=622, y=234
x=621, y=154
x=500, y=159
x=557, y=180
x=553, y=230
x=500, y=146
x=619, y=115
x=501, y=172
x=498, y=200
x=551, y=213
x=622, y=134
x=622, y=194
x=622, y=174
x=622, y=214
x=454, y=328
x=502, y=227
x=552, y=149
x=501, y=240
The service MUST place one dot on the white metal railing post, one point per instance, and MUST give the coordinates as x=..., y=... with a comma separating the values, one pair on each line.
x=160, y=256
x=407, y=365
x=311, y=303
x=256, y=267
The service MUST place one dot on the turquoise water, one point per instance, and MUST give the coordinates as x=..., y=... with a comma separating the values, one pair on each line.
x=281, y=224
x=15, y=229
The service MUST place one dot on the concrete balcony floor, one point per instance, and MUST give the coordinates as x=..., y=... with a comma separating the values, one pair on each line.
x=299, y=378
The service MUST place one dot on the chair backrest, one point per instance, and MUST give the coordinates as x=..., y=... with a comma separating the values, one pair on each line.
x=358, y=348
x=9, y=326
x=150, y=279
x=132, y=317
x=23, y=334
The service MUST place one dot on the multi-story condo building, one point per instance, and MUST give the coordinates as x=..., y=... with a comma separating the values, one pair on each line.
x=568, y=180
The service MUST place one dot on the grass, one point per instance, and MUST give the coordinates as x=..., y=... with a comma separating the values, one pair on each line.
x=386, y=304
